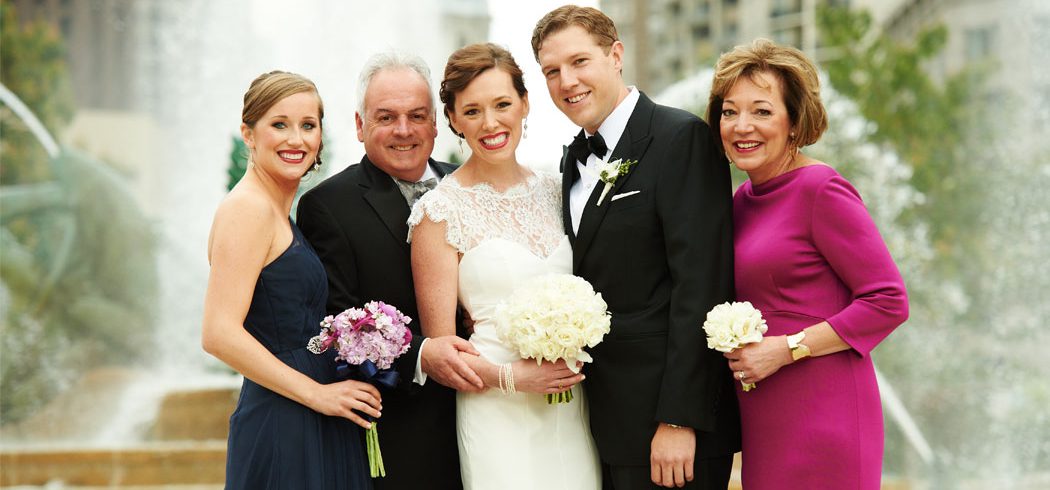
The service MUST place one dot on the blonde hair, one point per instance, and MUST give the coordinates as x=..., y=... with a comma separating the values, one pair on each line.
x=799, y=85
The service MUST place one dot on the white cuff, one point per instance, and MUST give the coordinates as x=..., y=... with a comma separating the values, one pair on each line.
x=420, y=378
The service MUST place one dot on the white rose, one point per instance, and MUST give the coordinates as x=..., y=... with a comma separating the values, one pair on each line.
x=730, y=325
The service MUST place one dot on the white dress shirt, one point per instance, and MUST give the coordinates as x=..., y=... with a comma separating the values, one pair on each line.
x=611, y=130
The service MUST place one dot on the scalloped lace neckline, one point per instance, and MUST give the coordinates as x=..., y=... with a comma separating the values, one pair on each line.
x=524, y=187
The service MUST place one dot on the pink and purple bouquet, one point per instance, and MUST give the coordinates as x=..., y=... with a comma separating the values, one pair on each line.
x=369, y=338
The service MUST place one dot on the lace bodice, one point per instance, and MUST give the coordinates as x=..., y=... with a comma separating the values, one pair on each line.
x=528, y=214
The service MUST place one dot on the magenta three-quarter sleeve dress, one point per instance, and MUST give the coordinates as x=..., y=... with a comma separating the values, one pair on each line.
x=807, y=251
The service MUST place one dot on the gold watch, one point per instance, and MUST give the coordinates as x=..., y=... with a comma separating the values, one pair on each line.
x=798, y=349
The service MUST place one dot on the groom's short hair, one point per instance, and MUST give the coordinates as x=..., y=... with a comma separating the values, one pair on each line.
x=592, y=20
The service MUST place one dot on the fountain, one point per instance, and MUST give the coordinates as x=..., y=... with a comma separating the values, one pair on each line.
x=165, y=423
x=163, y=420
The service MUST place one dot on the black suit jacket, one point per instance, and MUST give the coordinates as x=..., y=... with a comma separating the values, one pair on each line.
x=356, y=220
x=662, y=258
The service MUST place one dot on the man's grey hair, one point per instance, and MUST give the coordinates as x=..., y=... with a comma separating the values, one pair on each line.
x=391, y=60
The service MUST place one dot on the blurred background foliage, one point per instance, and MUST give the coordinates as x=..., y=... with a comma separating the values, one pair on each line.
x=965, y=361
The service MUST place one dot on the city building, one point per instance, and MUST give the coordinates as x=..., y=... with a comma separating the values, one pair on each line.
x=668, y=40
x=1005, y=41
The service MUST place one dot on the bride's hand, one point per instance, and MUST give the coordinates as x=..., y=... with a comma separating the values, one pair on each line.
x=547, y=377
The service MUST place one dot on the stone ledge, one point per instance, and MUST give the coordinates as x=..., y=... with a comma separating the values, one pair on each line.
x=152, y=464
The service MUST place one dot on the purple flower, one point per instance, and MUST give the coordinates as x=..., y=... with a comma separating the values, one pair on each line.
x=377, y=332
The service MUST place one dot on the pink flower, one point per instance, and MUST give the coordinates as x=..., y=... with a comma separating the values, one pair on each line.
x=377, y=332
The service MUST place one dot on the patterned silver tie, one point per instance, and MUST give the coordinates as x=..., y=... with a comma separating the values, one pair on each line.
x=414, y=190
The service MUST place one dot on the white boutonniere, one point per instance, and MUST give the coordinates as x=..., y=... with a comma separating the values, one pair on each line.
x=608, y=172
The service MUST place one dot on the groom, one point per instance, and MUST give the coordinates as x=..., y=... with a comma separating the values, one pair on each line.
x=659, y=248
x=357, y=222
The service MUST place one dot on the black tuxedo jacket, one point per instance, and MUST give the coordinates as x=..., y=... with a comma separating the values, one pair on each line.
x=356, y=220
x=661, y=258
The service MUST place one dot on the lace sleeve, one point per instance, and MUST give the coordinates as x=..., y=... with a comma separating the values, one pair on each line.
x=437, y=207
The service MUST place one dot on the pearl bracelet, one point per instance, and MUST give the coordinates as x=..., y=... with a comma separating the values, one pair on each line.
x=505, y=376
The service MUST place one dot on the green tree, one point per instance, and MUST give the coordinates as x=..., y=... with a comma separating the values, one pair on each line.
x=33, y=66
x=929, y=124
x=238, y=162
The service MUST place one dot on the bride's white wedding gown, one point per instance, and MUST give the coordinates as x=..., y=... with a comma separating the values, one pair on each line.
x=513, y=441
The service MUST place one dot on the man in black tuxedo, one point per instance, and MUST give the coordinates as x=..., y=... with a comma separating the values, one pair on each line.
x=658, y=246
x=357, y=222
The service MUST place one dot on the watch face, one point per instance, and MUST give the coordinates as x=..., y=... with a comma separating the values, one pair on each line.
x=799, y=351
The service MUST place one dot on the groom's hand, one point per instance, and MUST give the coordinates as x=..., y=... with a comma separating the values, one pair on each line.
x=671, y=456
x=440, y=360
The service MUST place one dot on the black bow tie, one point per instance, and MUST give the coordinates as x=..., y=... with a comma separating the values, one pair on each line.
x=582, y=147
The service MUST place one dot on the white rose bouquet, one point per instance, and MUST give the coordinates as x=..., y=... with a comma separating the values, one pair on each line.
x=732, y=325
x=554, y=317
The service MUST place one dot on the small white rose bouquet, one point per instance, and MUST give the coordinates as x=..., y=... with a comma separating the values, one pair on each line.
x=732, y=325
x=554, y=317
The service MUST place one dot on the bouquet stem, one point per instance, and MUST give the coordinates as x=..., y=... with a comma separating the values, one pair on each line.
x=375, y=456
x=563, y=397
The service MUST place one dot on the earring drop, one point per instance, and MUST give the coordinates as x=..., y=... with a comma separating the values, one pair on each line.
x=525, y=128
x=460, y=143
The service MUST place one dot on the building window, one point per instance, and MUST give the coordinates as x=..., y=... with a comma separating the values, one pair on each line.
x=675, y=9
x=784, y=7
x=979, y=42
x=701, y=31
x=790, y=37
x=731, y=31
x=703, y=9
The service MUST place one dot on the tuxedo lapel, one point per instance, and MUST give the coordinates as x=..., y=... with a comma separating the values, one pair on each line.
x=387, y=202
x=441, y=168
x=569, y=174
x=632, y=146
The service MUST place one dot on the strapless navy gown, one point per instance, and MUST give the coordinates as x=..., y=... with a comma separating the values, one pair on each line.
x=277, y=443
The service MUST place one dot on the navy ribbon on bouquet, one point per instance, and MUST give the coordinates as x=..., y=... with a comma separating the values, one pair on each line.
x=370, y=373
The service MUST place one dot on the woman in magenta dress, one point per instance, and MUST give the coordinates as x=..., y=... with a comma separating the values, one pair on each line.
x=810, y=258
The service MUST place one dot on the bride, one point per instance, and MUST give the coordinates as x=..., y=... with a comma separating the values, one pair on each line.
x=487, y=228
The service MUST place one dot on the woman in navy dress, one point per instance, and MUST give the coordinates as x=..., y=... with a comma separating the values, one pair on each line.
x=294, y=422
